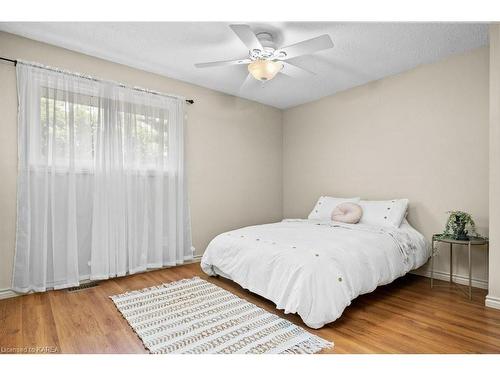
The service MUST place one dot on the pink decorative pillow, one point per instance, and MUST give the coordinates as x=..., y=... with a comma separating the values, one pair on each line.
x=349, y=213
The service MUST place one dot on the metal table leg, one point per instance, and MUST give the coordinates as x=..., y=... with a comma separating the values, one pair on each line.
x=432, y=262
x=470, y=274
x=451, y=262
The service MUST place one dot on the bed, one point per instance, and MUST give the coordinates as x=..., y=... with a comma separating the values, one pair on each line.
x=315, y=268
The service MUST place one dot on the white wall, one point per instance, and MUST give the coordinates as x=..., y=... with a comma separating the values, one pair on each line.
x=493, y=298
x=234, y=154
x=422, y=135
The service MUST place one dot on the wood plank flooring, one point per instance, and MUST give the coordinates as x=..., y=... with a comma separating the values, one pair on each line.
x=403, y=317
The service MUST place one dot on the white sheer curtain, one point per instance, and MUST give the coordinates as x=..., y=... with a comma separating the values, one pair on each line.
x=101, y=180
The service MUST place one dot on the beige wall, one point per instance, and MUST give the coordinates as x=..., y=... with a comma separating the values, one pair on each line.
x=422, y=135
x=234, y=147
x=493, y=298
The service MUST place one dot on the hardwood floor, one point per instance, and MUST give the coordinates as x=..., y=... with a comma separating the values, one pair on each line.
x=403, y=317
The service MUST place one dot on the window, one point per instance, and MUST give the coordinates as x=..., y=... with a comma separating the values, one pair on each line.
x=73, y=125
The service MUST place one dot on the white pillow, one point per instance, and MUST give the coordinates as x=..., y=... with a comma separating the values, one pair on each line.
x=325, y=206
x=384, y=213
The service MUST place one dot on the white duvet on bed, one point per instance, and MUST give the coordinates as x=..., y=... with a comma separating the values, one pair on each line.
x=314, y=268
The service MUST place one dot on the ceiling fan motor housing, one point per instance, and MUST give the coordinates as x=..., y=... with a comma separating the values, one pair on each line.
x=266, y=39
x=269, y=51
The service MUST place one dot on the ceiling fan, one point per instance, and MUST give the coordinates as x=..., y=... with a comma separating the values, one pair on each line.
x=265, y=60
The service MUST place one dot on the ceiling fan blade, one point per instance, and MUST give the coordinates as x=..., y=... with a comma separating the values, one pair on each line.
x=250, y=83
x=247, y=83
x=222, y=63
x=247, y=36
x=294, y=70
x=305, y=47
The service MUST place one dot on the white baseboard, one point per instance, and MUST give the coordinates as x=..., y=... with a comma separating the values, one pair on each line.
x=493, y=302
x=8, y=293
x=196, y=259
x=459, y=279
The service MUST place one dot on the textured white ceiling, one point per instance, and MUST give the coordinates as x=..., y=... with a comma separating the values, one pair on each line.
x=363, y=52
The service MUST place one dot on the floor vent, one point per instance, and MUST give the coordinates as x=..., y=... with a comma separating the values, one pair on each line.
x=83, y=286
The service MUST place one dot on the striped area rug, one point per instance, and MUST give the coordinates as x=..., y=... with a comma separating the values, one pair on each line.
x=195, y=316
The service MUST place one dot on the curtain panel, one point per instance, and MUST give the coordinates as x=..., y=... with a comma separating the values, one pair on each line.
x=101, y=188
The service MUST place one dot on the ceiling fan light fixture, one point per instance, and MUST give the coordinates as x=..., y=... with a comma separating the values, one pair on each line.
x=264, y=70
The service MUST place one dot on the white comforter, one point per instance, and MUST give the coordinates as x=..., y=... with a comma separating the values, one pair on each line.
x=314, y=268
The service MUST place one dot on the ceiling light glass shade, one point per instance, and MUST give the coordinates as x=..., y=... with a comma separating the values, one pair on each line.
x=264, y=70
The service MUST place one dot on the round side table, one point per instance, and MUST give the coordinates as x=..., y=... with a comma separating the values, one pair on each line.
x=472, y=241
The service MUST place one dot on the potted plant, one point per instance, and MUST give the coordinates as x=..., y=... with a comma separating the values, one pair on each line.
x=459, y=225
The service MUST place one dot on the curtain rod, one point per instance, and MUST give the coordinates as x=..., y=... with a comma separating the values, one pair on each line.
x=189, y=101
